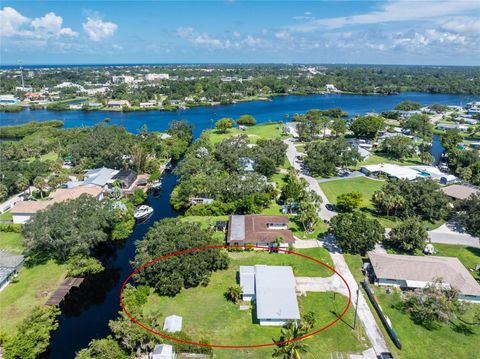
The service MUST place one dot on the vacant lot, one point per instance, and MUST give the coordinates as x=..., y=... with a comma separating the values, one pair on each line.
x=267, y=131
x=207, y=314
x=364, y=185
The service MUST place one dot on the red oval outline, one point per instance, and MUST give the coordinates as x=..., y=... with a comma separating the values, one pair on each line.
x=132, y=318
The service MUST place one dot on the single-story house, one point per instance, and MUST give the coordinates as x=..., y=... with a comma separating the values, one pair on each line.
x=258, y=230
x=412, y=272
x=460, y=191
x=201, y=200
x=22, y=211
x=118, y=104
x=172, y=324
x=273, y=292
x=99, y=176
x=393, y=171
x=10, y=265
x=125, y=177
x=453, y=126
x=162, y=351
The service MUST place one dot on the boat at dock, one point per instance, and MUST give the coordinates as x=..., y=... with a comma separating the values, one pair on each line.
x=142, y=212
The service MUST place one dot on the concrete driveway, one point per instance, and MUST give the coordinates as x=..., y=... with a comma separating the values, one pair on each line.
x=450, y=233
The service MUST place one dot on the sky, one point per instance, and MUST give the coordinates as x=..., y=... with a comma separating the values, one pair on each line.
x=439, y=32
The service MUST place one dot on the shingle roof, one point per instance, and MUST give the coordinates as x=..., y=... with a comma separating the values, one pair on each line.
x=9, y=260
x=275, y=293
x=460, y=191
x=254, y=229
x=424, y=269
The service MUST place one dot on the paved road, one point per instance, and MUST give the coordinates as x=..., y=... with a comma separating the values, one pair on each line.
x=351, y=175
x=448, y=233
x=364, y=313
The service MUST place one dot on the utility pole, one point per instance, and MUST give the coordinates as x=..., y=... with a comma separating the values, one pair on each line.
x=356, y=308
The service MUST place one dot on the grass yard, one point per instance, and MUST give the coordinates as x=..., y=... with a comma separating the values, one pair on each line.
x=221, y=322
x=418, y=342
x=364, y=185
x=51, y=156
x=11, y=242
x=377, y=158
x=6, y=216
x=32, y=288
x=267, y=131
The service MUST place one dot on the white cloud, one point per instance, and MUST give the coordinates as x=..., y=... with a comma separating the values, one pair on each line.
x=236, y=40
x=98, y=29
x=463, y=25
x=283, y=35
x=11, y=22
x=51, y=25
x=394, y=11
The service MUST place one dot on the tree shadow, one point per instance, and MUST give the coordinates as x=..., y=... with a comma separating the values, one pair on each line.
x=462, y=328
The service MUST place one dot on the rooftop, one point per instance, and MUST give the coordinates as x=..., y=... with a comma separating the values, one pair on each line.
x=258, y=229
x=172, y=324
x=424, y=269
x=8, y=260
x=460, y=191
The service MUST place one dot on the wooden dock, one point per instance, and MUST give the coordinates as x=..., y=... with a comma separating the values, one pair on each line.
x=62, y=291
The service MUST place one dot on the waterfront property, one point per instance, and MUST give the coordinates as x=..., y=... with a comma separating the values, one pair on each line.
x=10, y=265
x=273, y=292
x=259, y=230
x=126, y=178
x=412, y=272
x=22, y=211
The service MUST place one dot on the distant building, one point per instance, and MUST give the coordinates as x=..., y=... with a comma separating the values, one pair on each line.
x=200, y=200
x=273, y=290
x=148, y=104
x=330, y=87
x=118, y=104
x=123, y=79
x=10, y=265
x=412, y=272
x=258, y=230
x=453, y=126
x=156, y=77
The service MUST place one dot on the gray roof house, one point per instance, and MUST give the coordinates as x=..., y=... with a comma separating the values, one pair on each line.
x=247, y=282
x=275, y=296
x=172, y=324
x=411, y=272
x=99, y=176
x=10, y=264
x=162, y=351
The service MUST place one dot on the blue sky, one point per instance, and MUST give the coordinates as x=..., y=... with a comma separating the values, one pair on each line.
x=442, y=32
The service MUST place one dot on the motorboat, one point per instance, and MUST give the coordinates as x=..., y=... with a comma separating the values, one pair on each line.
x=157, y=185
x=142, y=212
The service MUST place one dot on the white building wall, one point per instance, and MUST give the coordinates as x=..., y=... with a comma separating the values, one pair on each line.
x=271, y=322
x=21, y=218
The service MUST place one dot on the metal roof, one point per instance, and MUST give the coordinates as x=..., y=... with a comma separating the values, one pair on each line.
x=247, y=279
x=237, y=228
x=9, y=260
x=275, y=293
x=99, y=176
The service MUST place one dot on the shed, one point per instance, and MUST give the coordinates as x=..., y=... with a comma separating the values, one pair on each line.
x=172, y=324
x=162, y=351
x=247, y=282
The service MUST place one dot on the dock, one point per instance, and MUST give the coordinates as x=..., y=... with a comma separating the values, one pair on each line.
x=62, y=291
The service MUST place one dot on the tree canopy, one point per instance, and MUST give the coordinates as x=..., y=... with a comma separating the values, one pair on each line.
x=367, y=126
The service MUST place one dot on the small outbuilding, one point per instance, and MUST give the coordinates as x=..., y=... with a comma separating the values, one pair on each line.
x=172, y=324
x=10, y=265
x=162, y=351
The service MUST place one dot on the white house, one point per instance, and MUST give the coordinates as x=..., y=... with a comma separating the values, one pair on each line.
x=274, y=293
x=122, y=79
x=155, y=77
x=118, y=104
x=330, y=87
x=393, y=171
x=413, y=272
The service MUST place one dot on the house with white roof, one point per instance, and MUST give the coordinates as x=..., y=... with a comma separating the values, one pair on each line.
x=393, y=171
x=273, y=292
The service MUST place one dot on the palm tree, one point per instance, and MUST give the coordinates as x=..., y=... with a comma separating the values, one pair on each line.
x=40, y=183
x=398, y=202
x=276, y=243
x=22, y=183
x=292, y=349
x=234, y=293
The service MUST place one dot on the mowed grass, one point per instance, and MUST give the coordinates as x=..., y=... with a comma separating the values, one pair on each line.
x=30, y=288
x=6, y=216
x=364, y=185
x=418, y=342
x=377, y=158
x=208, y=315
x=266, y=131
x=11, y=242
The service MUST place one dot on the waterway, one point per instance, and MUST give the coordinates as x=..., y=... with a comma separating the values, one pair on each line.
x=86, y=312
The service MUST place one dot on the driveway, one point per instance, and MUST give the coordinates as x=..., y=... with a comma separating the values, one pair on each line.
x=319, y=284
x=449, y=233
x=350, y=175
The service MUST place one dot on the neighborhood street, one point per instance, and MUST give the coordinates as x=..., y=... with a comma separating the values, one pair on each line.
x=364, y=313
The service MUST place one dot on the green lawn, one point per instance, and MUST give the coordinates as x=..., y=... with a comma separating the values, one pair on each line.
x=11, y=242
x=221, y=322
x=268, y=131
x=32, y=288
x=6, y=216
x=366, y=186
x=50, y=156
x=418, y=342
x=377, y=158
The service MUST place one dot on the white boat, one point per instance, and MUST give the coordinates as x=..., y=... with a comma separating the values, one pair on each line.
x=157, y=185
x=142, y=212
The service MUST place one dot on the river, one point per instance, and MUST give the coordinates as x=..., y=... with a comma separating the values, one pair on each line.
x=86, y=312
